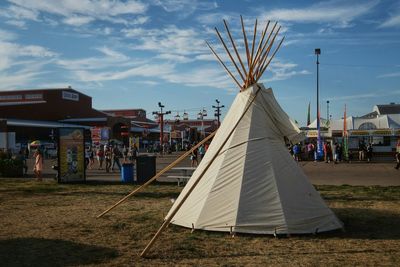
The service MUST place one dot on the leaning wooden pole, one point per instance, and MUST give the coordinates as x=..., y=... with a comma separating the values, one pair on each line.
x=170, y=166
x=169, y=218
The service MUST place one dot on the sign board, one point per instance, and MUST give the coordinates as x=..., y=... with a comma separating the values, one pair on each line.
x=71, y=155
x=7, y=140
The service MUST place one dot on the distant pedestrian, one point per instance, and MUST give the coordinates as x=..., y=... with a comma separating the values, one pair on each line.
x=338, y=153
x=398, y=160
x=297, y=152
x=369, y=152
x=38, y=166
x=125, y=152
x=107, y=156
x=327, y=152
x=116, y=156
x=194, y=158
x=100, y=157
x=202, y=151
x=361, y=151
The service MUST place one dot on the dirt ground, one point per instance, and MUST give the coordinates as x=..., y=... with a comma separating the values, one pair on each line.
x=47, y=224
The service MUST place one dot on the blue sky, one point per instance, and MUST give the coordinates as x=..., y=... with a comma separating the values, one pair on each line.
x=132, y=54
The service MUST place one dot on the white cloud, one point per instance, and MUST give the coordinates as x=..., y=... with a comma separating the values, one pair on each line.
x=340, y=13
x=7, y=36
x=393, y=21
x=186, y=6
x=78, y=20
x=390, y=75
x=109, y=59
x=282, y=71
x=79, y=12
x=148, y=70
x=17, y=23
x=170, y=40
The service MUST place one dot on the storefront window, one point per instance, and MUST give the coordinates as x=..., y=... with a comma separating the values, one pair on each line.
x=381, y=140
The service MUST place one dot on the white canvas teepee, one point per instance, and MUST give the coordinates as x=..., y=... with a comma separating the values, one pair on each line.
x=248, y=182
x=254, y=185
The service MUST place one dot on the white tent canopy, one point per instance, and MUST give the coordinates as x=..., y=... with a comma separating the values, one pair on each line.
x=253, y=185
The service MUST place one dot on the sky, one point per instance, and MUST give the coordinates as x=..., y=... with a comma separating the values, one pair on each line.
x=134, y=54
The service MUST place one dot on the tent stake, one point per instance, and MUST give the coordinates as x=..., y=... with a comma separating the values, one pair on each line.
x=173, y=164
x=179, y=205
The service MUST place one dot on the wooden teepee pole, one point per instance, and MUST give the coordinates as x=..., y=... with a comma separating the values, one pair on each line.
x=169, y=218
x=265, y=56
x=260, y=44
x=245, y=42
x=230, y=56
x=234, y=47
x=269, y=61
x=251, y=76
x=173, y=164
x=266, y=53
x=223, y=64
x=258, y=56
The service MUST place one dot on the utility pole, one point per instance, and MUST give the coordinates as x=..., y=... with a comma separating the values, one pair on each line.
x=319, y=141
x=160, y=115
x=218, y=111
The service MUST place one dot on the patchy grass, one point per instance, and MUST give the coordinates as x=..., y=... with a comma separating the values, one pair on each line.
x=47, y=224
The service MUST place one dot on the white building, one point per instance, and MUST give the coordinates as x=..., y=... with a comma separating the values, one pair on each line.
x=381, y=128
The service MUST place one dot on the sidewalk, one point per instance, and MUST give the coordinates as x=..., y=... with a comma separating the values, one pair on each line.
x=319, y=173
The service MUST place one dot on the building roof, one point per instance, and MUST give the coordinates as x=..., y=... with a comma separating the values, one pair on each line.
x=19, y=91
x=387, y=109
x=42, y=124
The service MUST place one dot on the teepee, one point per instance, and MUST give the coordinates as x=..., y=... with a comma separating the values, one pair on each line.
x=248, y=182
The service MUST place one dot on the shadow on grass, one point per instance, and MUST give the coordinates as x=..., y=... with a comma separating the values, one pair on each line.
x=51, y=252
x=369, y=224
x=366, y=224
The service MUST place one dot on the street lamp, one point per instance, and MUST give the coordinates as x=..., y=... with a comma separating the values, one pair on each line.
x=200, y=116
x=218, y=110
x=160, y=114
x=319, y=141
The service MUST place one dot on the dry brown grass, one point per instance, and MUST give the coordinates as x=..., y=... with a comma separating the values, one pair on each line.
x=46, y=224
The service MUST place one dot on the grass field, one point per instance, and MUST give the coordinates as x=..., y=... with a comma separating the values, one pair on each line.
x=46, y=224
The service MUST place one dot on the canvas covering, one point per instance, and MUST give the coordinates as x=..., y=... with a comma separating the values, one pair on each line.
x=254, y=185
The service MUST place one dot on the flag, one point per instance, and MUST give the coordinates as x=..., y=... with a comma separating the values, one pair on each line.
x=308, y=114
x=320, y=151
x=345, y=136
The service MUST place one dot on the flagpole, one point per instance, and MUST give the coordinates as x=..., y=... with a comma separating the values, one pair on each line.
x=320, y=152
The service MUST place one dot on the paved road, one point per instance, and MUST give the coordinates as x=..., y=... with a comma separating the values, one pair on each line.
x=356, y=173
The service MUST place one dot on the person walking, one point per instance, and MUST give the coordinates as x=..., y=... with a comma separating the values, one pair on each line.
x=296, y=152
x=361, y=151
x=194, y=158
x=398, y=160
x=107, y=156
x=202, y=151
x=327, y=152
x=100, y=157
x=38, y=166
x=116, y=156
x=369, y=152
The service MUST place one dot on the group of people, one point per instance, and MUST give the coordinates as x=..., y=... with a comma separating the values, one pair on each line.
x=333, y=152
x=110, y=156
x=197, y=153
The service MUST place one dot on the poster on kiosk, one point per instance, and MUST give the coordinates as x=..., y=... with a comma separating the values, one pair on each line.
x=71, y=155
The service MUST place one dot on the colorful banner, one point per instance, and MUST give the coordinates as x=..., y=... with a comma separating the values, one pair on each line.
x=71, y=155
x=345, y=136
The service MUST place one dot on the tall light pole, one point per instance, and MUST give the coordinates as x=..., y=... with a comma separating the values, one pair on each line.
x=319, y=143
x=218, y=110
x=160, y=115
x=327, y=110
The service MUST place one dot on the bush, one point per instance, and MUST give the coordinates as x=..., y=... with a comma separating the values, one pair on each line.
x=11, y=168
